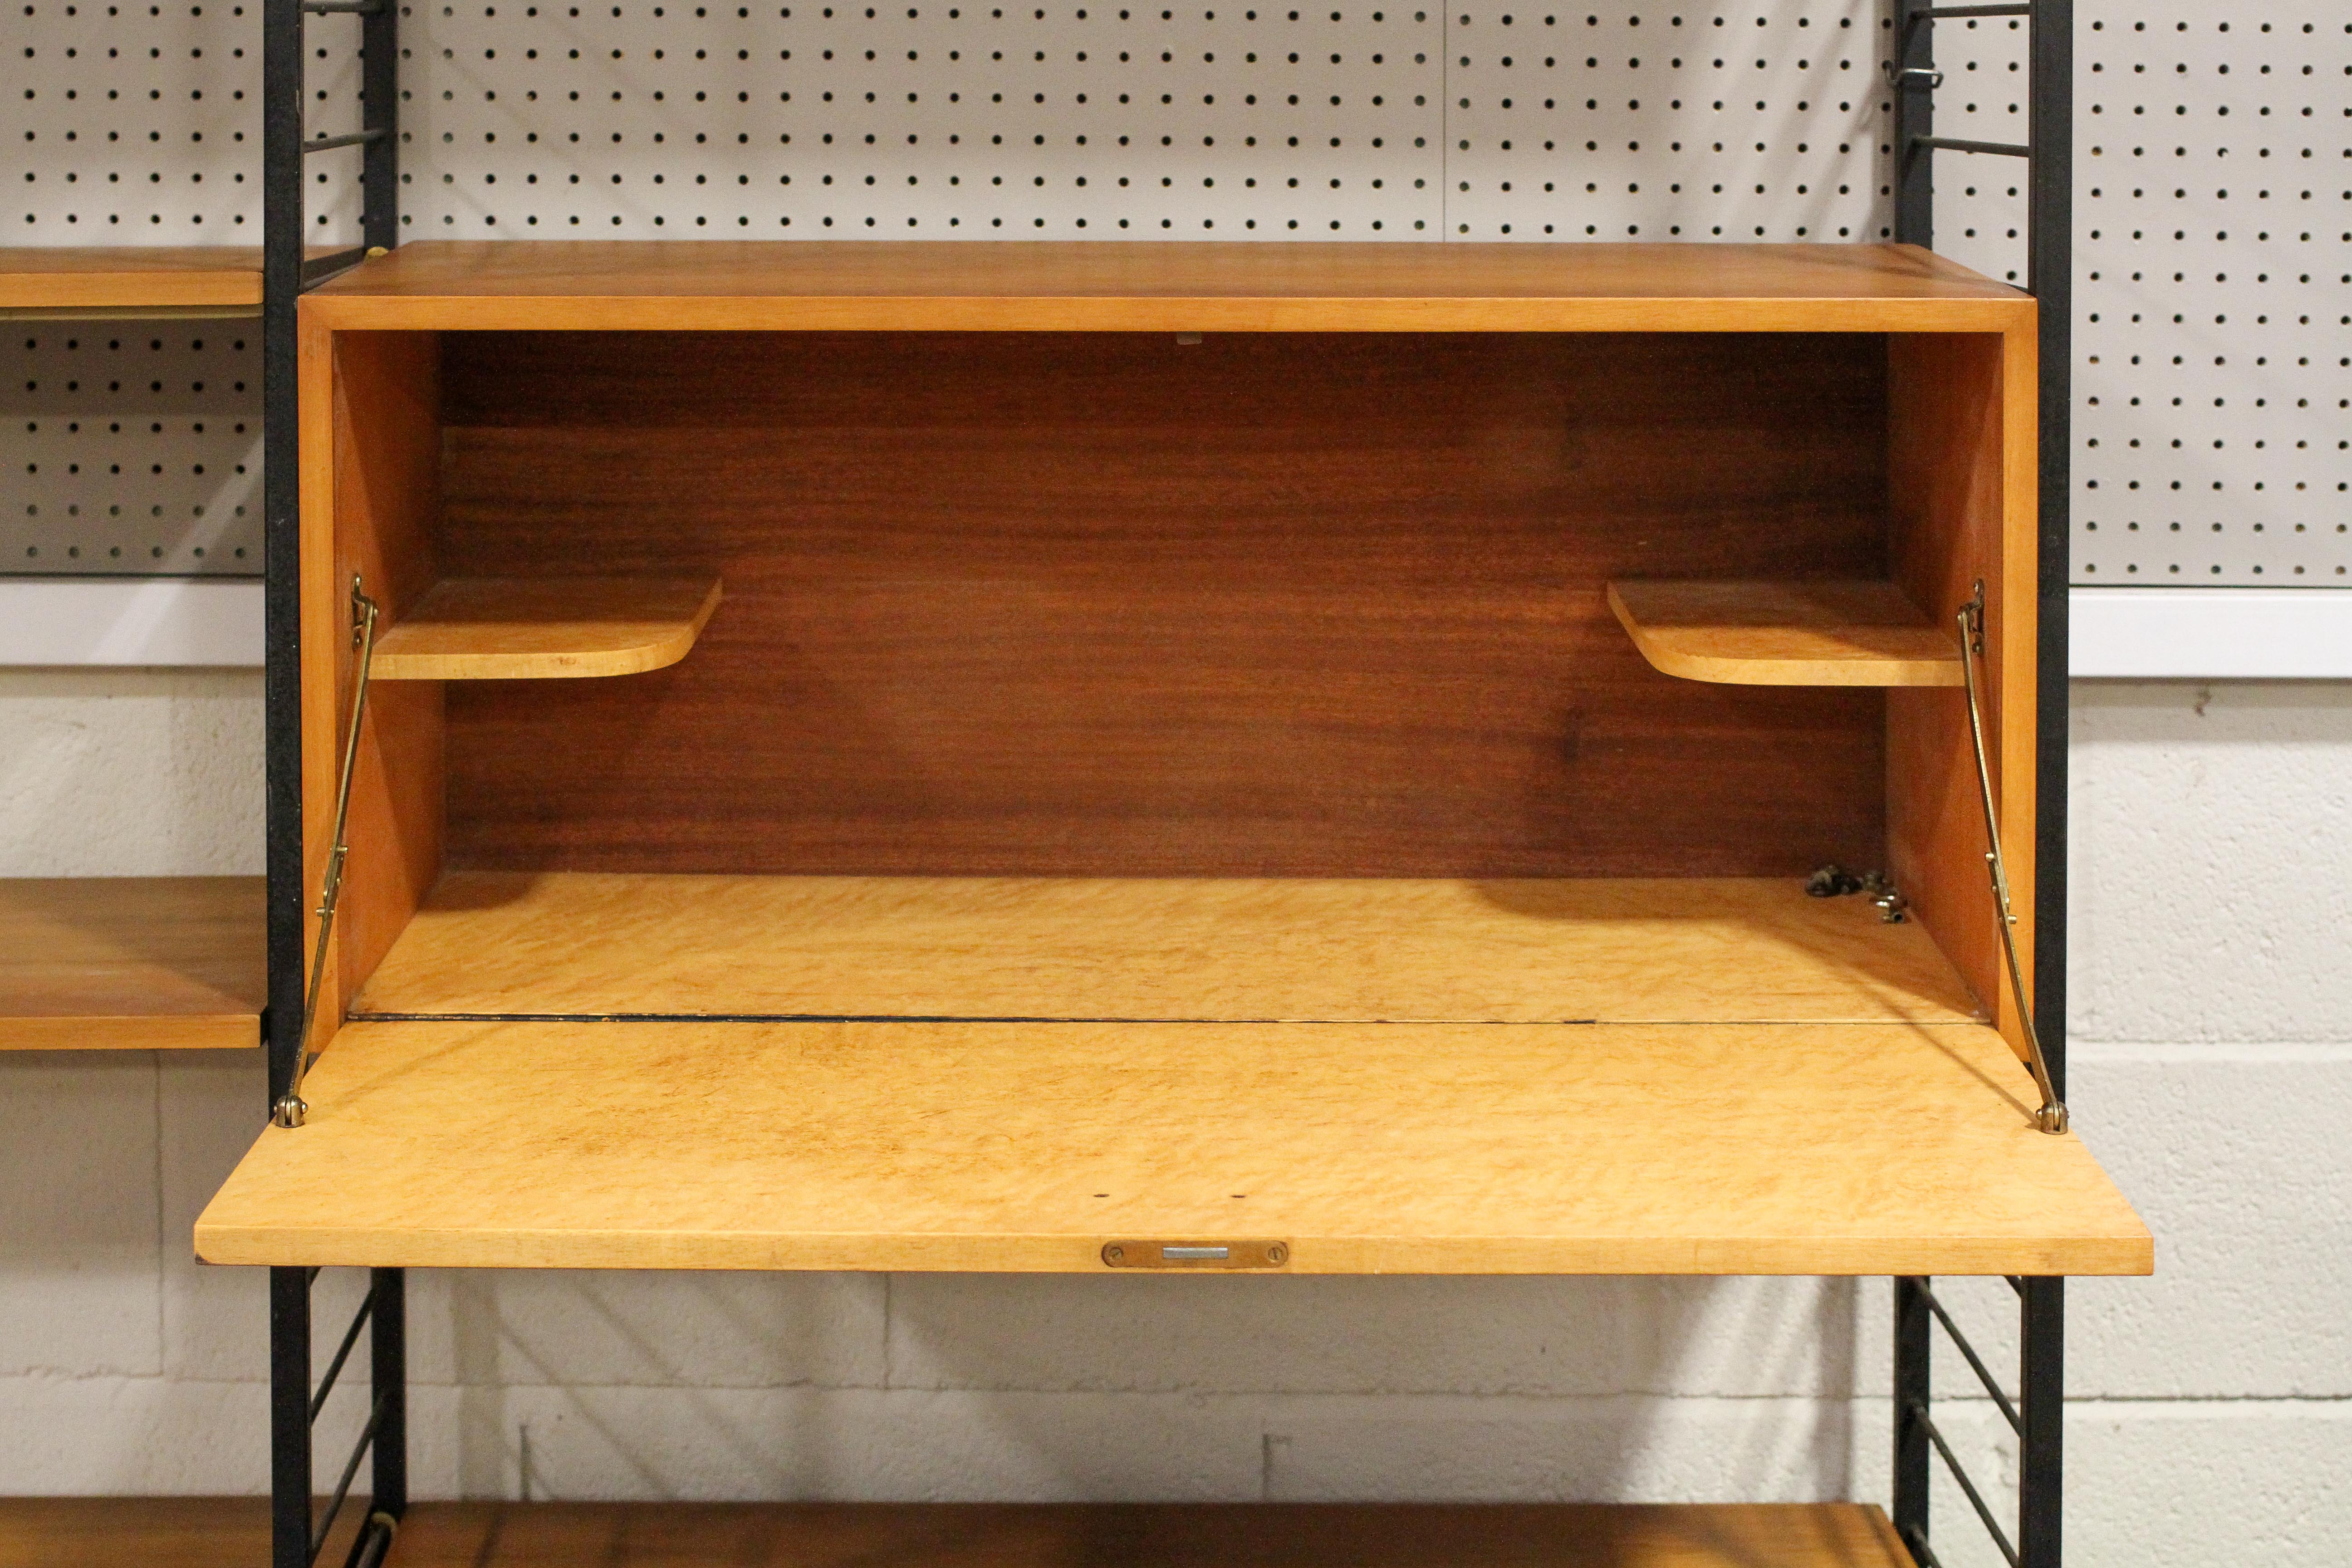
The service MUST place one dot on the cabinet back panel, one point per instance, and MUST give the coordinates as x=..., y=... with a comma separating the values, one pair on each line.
x=1108, y=604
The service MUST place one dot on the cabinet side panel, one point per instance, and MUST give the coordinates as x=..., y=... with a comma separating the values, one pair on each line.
x=1961, y=512
x=387, y=447
x=1111, y=604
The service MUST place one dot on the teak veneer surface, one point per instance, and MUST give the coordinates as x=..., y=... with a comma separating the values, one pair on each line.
x=1053, y=285
x=1366, y=951
x=1786, y=634
x=130, y=962
x=152, y=1531
x=123, y=278
x=1365, y=1148
x=545, y=629
x=1105, y=604
x=1234, y=1535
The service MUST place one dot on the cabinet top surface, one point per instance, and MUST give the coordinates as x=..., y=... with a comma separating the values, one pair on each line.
x=1163, y=286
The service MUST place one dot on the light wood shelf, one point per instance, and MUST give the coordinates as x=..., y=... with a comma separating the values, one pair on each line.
x=1786, y=634
x=1065, y=286
x=130, y=281
x=130, y=962
x=207, y=1532
x=1648, y=949
x=1364, y=1148
x=493, y=628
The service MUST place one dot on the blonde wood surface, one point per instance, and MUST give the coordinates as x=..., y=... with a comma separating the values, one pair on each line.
x=130, y=962
x=1786, y=634
x=1663, y=950
x=1364, y=1148
x=1227, y=1535
x=152, y=1531
x=515, y=630
x=1961, y=488
x=1061, y=286
x=168, y=278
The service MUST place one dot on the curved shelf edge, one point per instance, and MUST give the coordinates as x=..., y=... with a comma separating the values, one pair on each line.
x=1786, y=634
x=501, y=628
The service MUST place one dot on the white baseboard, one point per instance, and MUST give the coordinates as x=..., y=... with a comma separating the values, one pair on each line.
x=2210, y=634
x=130, y=621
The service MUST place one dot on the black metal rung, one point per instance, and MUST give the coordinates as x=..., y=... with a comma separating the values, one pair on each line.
x=2007, y=1410
x=335, y=1367
x=1940, y=13
x=1946, y=145
x=343, y=7
x=356, y=138
x=343, y=1486
x=1999, y=1537
x=1921, y=1552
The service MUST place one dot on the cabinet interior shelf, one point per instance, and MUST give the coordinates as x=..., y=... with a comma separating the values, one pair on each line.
x=130, y=962
x=1786, y=633
x=98, y=1532
x=128, y=282
x=498, y=628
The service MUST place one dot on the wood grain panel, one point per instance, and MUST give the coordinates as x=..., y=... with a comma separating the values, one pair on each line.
x=1378, y=950
x=1110, y=606
x=130, y=962
x=153, y=1532
x=1961, y=489
x=1058, y=286
x=1238, y=1535
x=1365, y=1148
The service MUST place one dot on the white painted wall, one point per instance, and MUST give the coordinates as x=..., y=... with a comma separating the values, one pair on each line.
x=2213, y=1072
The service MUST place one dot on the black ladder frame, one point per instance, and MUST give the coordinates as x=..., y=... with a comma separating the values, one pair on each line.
x=288, y=269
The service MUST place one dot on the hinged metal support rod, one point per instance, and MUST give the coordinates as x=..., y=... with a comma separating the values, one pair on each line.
x=343, y=1354
x=343, y=1486
x=290, y=1110
x=1951, y=144
x=2051, y=1117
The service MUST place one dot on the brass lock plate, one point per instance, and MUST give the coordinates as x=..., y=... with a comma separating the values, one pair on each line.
x=1195, y=1254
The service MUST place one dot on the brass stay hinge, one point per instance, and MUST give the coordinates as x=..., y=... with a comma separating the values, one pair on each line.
x=2051, y=1117
x=290, y=1110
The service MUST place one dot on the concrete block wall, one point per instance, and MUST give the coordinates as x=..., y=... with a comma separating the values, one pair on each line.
x=2212, y=1073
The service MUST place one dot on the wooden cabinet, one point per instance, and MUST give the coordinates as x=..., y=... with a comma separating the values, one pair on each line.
x=1195, y=742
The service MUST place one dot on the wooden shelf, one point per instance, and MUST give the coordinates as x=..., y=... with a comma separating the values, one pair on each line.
x=1786, y=634
x=207, y=1532
x=1365, y=1148
x=1664, y=949
x=1048, y=285
x=130, y=281
x=130, y=962
x=494, y=628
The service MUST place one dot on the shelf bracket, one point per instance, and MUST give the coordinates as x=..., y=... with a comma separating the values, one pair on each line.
x=290, y=1109
x=2051, y=1117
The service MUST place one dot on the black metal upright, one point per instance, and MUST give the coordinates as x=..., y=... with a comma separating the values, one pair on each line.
x=1911, y=75
x=287, y=271
x=2039, y=1413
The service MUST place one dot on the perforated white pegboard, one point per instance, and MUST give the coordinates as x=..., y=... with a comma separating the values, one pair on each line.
x=2213, y=325
x=133, y=446
x=2214, y=164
